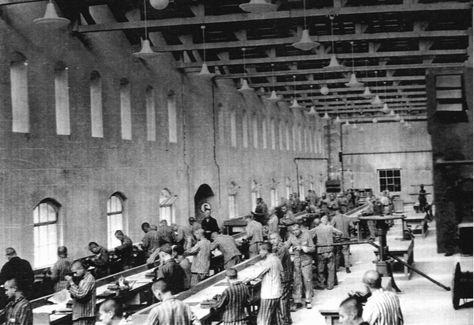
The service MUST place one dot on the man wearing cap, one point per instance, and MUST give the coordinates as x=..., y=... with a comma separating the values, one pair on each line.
x=208, y=224
x=60, y=269
x=253, y=233
x=19, y=269
x=170, y=271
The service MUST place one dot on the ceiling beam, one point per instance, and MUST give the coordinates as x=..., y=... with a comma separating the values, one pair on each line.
x=326, y=57
x=277, y=16
x=321, y=39
x=344, y=69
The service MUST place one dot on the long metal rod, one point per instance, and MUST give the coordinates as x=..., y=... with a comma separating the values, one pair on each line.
x=412, y=268
x=383, y=152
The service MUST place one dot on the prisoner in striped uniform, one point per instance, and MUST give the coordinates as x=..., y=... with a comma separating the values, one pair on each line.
x=170, y=311
x=82, y=294
x=234, y=301
x=270, y=292
x=382, y=307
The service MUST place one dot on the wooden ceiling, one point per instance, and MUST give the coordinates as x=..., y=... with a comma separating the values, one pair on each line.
x=394, y=43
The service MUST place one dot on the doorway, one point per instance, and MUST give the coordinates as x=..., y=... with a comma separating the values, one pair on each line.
x=204, y=194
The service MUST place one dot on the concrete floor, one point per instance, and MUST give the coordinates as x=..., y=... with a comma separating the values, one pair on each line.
x=422, y=301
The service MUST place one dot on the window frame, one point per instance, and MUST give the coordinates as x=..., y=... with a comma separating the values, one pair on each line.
x=390, y=186
x=36, y=225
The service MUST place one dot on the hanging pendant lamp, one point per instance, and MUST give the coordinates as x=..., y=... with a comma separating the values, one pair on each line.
x=312, y=111
x=402, y=121
x=337, y=120
x=273, y=95
x=353, y=82
x=333, y=63
x=377, y=101
x=397, y=117
x=146, y=51
x=326, y=116
x=385, y=108
x=374, y=120
x=361, y=129
x=392, y=113
x=305, y=43
x=204, y=68
x=295, y=104
x=258, y=6
x=367, y=93
x=347, y=123
x=244, y=86
x=244, y=83
x=354, y=125
x=51, y=18
x=324, y=90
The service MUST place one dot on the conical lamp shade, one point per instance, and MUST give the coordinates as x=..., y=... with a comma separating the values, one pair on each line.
x=354, y=126
x=333, y=63
x=146, y=51
x=258, y=6
x=361, y=129
x=337, y=120
x=245, y=86
x=392, y=113
x=273, y=97
x=374, y=120
x=295, y=104
x=353, y=82
x=324, y=90
x=305, y=43
x=385, y=108
x=205, y=71
x=402, y=121
x=312, y=111
x=397, y=116
x=347, y=123
x=326, y=116
x=51, y=18
x=377, y=101
x=367, y=93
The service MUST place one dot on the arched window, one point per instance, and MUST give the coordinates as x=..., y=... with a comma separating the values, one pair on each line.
x=255, y=131
x=264, y=132
x=167, y=201
x=45, y=232
x=287, y=136
x=310, y=140
x=19, y=94
x=97, y=127
x=245, y=130
x=150, y=114
x=300, y=139
x=125, y=110
x=172, y=118
x=233, y=206
x=316, y=142
x=221, y=125
x=233, y=129
x=115, y=218
x=61, y=95
x=273, y=197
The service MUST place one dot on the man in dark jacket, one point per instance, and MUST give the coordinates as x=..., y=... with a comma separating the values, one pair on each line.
x=209, y=224
x=170, y=271
x=18, y=269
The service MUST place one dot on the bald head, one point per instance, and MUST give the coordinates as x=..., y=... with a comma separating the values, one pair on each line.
x=372, y=279
x=10, y=253
x=350, y=311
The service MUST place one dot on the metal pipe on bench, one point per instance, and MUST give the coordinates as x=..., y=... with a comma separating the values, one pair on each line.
x=347, y=243
x=412, y=268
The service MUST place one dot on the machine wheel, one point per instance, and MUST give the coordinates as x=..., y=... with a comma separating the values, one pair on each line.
x=456, y=289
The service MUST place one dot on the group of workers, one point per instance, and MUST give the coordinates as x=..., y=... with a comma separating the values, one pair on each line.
x=292, y=244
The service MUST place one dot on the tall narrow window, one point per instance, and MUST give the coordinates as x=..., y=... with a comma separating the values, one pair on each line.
x=272, y=133
x=294, y=136
x=150, y=114
x=280, y=135
x=264, y=132
x=61, y=95
x=316, y=143
x=255, y=131
x=172, y=118
x=232, y=206
x=19, y=95
x=125, y=110
x=273, y=198
x=310, y=140
x=301, y=189
x=233, y=129
x=45, y=232
x=287, y=136
x=221, y=126
x=253, y=199
x=115, y=222
x=300, y=139
x=97, y=127
x=288, y=191
x=245, y=130
x=167, y=211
